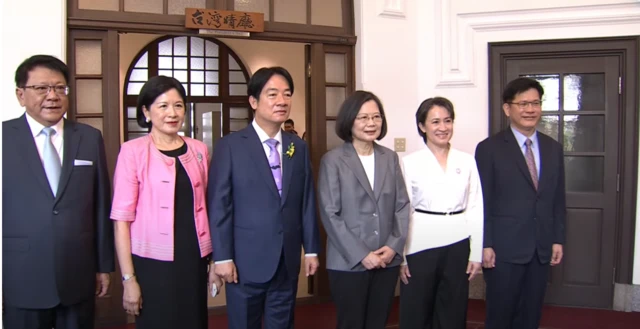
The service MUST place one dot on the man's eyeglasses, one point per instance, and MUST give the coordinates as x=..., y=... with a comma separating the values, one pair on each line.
x=45, y=89
x=524, y=105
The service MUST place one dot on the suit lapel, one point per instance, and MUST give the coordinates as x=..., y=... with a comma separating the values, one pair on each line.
x=545, y=159
x=71, y=143
x=30, y=153
x=380, y=170
x=516, y=153
x=354, y=163
x=255, y=148
x=286, y=165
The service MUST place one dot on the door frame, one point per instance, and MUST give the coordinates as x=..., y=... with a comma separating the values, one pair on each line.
x=626, y=48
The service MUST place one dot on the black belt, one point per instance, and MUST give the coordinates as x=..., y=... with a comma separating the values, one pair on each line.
x=440, y=213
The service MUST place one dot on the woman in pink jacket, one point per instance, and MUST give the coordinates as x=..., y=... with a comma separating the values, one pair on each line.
x=159, y=208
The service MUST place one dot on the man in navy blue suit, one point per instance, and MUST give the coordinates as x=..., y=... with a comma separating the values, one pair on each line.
x=261, y=203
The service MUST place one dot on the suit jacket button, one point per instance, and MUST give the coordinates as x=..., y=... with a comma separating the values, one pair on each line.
x=197, y=184
x=55, y=212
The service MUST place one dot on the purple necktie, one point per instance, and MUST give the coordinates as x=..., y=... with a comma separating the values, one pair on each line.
x=274, y=163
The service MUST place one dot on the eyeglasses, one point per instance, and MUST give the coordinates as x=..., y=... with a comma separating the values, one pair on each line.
x=377, y=118
x=524, y=105
x=46, y=89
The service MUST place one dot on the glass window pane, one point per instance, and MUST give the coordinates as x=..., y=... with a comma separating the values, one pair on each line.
x=548, y=125
x=584, y=133
x=551, y=85
x=165, y=48
x=197, y=63
x=254, y=6
x=584, y=174
x=88, y=57
x=197, y=89
x=326, y=12
x=165, y=62
x=180, y=75
x=139, y=75
x=332, y=138
x=237, y=76
x=211, y=76
x=176, y=7
x=143, y=61
x=290, y=11
x=186, y=89
x=180, y=63
x=180, y=46
x=233, y=64
x=237, y=89
x=131, y=112
x=197, y=47
x=211, y=90
x=211, y=63
x=133, y=88
x=197, y=76
x=239, y=113
x=235, y=125
x=584, y=92
x=93, y=122
x=335, y=68
x=167, y=73
x=335, y=97
x=112, y=5
x=144, y=6
x=211, y=49
x=132, y=125
x=89, y=96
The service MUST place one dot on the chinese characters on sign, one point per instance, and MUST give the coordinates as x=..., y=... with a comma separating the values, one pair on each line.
x=198, y=18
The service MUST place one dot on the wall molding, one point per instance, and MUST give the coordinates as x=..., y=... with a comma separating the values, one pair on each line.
x=455, y=32
x=392, y=8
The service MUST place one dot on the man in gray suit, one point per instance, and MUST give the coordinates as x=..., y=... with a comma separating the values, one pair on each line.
x=57, y=238
x=364, y=207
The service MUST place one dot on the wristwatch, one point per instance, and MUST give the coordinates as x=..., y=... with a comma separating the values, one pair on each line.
x=127, y=277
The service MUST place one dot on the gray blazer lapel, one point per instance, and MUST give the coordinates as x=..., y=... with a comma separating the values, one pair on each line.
x=381, y=169
x=353, y=162
x=71, y=143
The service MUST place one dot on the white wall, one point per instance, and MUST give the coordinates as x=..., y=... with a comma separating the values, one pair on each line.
x=409, y=50
x=29, y=27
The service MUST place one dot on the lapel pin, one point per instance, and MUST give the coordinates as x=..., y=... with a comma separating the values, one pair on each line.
x=458, y=171
x=199, y=157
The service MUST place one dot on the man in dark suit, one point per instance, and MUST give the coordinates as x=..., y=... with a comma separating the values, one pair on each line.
x=522, y=174
x=57, y=238
x=262, y=209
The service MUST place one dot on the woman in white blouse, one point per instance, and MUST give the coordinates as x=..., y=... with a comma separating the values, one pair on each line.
x=444, y=246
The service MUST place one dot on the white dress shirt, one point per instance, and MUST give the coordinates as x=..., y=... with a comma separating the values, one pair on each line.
x=369, y=165
x=431, y=188
x=40, y=138
x=262, y=135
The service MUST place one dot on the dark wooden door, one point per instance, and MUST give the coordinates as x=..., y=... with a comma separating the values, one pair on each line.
x=580, y=110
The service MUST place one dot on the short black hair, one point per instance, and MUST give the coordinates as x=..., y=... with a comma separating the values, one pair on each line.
x=289, y=121
x=46, y=61
x=426, y=106
x=153, y=88
x=520, y=85
x=262, y=76
x=349, y=111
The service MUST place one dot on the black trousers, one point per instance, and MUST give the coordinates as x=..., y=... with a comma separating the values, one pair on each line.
x=363, y=299
x=77, y=316
x=515, y=294
x=438, y=290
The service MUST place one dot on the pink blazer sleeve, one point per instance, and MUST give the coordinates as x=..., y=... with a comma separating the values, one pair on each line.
x=125, y=186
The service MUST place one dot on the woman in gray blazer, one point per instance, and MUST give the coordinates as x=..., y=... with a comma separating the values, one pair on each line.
x=364, y=207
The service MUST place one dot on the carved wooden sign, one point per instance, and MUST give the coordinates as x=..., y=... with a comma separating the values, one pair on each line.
x=213, y=19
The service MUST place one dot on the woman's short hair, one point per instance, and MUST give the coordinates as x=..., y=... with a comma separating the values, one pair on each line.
x=426, y=106
x=153, y=88
x=350, y=109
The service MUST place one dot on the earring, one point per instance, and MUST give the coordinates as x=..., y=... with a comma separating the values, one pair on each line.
x=147, y=120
